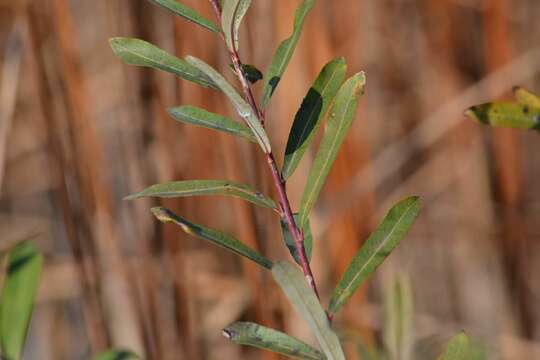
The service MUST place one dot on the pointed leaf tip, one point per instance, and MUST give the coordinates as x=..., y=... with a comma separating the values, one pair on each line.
x=187, y=13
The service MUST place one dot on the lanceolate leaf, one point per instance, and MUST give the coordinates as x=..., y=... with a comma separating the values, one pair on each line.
x=458, y=348
x=377, y=247
x=241, y=106
x=526, y=97
x=216, y=237
x=293, y=284
x=342, y=114
x=200, y=117
x=17, y=298
x=289, y=241
x=204, y=187
x=398, y=319
x=231, y=18
x=117, y=355
x=246, y=333
x=308, y=118
x=141, y=53
x=284, y=52
x=187, y=13
x=506, y=114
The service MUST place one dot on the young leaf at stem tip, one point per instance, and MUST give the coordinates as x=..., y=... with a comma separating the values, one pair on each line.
x=311, y=112
x=292, y=282
x=342, y=114
x=377, y=247
x=241, y=106
x=187, y=13
x=284, y=52
x=216, y=237
x=24, y=263
x=506, y=114
x=231, y=18
x=205, y=187
x=196, y=116
x=289, y=241
x=250, y=334
x=525, y=97
x=141, y=53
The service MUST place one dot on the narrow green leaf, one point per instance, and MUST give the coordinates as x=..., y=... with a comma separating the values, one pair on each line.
x=231, y=18
x=216, y=237
x=117, y=355
x=241, y=106
x=342, y=114
x=200, y=117
x=17, y=298
x=289, y=241
x=246, y=333
x=398, y=318
x=308, y=118
x=284, y=52
x=506, y=114
x=458, y=348
x=187, y=13
x=141, y=53
x=204, y=187
x=292, y=282
x=377, y=247
x=526, y=97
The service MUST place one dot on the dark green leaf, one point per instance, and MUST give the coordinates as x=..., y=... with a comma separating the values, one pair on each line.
x=246, y=333
x=506, y=114
x=117, y=355
x=204, y=187
x=241, y=106
x=24, y=265
x=289, y=241
x=342, y=114
x=292, y=282
x=216, y=237
x=231, y=18
x=187, y=13
x=284, y=52
x=308, y=118
x=377, y=247
x=458, y=348
x=141, y=53
x=526, y=97
x=201, y=117
x=398, y=318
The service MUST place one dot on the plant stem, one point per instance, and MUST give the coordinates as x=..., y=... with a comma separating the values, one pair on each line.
x=286, y=212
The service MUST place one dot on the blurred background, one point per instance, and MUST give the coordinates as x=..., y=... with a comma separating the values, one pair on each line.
x=79, y=130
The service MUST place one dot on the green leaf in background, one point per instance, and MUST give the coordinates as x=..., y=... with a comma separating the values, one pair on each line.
x=231, y=18
x=377, y=247
x=204, y=187
x=187, y=13
x=526, y=97
x=292, y=282
x=201, y=117
x=342, y=113
x=246, y=333
x=308, y=118
x=141, y=53
x=216, y=237
x=398, y=318
x=117, y=355
x=241, y=106
x=289, y=241
x=24, y=265
x=458, y=348
x=506, y=114
x=284, y=52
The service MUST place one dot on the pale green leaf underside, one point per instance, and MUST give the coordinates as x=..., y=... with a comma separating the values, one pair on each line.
x=187, y=13
x=506, y=114
x=204, y=187
x=458, y=348
x=398, y=318
x=376, y=248
x=241, y=106
x=141, y=53
x=342, y=114
x=117, y=355
x=284, y=52
x=216, y=237
x=292, y=282
x=289, y=241
x=200, y=117
x=17, y=298
x=250, y=334
x=231, y=18
x=311, y=112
